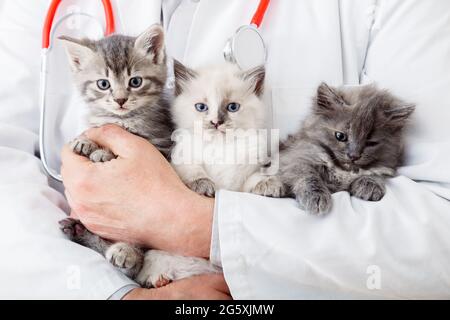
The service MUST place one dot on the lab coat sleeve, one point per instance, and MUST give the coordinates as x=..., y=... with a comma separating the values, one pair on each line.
x=38, y=262
x=395, y=248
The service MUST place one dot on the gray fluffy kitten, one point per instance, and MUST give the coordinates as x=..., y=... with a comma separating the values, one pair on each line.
x=351, y=141
x=122, y=79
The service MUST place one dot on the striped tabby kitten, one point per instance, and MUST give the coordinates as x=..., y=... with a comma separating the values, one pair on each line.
x=122, y=80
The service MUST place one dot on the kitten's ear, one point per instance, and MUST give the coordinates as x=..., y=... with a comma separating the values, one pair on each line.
x=397, y=114
x=327, y=99
x=78, y=51
x=182, y=76
x=255, y=77
x=151, y=43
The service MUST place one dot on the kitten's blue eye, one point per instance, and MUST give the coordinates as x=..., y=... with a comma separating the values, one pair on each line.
x=201, y=107
x=103, y=84
x=340, y=136
x=233, y=107
x=135, y=82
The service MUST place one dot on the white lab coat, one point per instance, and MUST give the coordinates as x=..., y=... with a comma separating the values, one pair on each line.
x=396, y=248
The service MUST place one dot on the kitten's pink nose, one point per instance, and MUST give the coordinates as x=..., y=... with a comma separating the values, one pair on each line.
x=354, y=156
x=121, y=102
x=216, y=124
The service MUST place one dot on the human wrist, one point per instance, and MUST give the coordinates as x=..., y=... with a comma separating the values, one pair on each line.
x=184, y=227
x=193, y=218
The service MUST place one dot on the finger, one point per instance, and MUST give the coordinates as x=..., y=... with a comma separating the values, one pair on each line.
x=223, y=296
x=72, y=164
x=74, y=215
x=68, y=157
x=119, y=141
x=220, y=283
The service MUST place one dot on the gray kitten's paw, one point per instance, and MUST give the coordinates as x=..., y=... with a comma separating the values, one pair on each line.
x=83, y=146
x=316, y=201
x=367, y=188
x=126, y=257
x=203, y=186
x=101, y=155
x=269, y=187
x=74, y=229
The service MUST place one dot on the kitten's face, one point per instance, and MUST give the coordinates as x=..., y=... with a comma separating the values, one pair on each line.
x=119, y=74
x=361, y=126
x=220, y=98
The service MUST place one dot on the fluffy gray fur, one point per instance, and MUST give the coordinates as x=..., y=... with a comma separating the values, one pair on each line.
x=142, y=110
x=351, y=141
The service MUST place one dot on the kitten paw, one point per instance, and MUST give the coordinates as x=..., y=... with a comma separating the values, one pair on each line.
x=316, y=202
x=125, y=257
x=101, y=155
x=162, y=282
x=160, y=268
x=203, y=186
x=83, y=146
x=269, y=187
x=74, y=229
x=367, y=188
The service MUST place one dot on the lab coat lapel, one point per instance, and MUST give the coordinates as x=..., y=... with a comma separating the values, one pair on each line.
x=134, y=16
x=214, y=22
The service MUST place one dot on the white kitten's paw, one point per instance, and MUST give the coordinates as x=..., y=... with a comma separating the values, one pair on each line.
x=160, y=268
x=203, y=186
x=269, y=187
x=101, y=155
x=83, y=146
x=125, y=257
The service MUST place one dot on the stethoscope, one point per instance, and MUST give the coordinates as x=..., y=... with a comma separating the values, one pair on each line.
x=246, y=48
x=47, y=37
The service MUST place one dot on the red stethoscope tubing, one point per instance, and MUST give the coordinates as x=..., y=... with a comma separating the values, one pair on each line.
x=260, y=12
x=110, y=24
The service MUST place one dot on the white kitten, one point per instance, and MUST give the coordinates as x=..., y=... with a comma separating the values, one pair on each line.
x=221, y=141
x=217, y=113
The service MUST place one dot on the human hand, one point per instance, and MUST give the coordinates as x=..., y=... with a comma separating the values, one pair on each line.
x=136, y=197
x=203, y=287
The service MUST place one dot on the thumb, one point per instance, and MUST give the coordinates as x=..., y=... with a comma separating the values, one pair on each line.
x=112, y=137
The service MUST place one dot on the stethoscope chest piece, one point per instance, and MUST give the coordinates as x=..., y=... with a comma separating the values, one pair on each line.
x=246, y=48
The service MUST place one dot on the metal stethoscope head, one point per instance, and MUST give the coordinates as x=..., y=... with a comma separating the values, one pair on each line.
x=246, y=47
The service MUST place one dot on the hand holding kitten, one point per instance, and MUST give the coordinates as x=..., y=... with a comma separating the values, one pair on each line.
x=126, y=199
